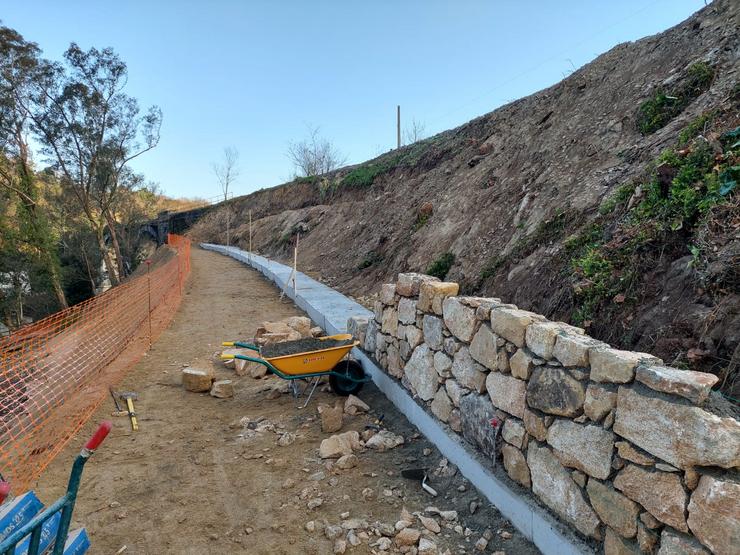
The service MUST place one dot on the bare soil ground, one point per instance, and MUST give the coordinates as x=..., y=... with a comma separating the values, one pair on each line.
x=195, y=480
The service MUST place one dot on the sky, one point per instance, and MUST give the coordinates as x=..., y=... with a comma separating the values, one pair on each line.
x=257, y=74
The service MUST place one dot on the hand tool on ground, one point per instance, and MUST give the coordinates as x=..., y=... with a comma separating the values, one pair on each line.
x=419, y=474
x=129, y=397
x=119, y=411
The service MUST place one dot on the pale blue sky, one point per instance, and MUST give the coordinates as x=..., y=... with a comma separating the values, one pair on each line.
x=254, y=74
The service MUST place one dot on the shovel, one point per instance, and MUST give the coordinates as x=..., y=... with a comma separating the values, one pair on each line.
x=420, y=475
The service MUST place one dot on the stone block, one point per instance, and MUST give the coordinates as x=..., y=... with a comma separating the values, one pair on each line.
x=514, y=433
x=516, y=465
x=616, y=545
x=673, y=543
x=615, y=366
x=614, y=509
x=511, y=323
x=408, y=284
x=554, y=391
x=197, y=380
x=572, y=349
x=459, y=318
x=483, y=348
x=468, y=373
x=433, y=293
x=443, y=364
x=681, y=434
x=647, y=540
x=357, y=327
x=420, y=372
x=714, y=514
x=476, y=413
x=331, y=417
x=535, y=424
x=222, y=389
x=388, y=294
x=521, y=364
x=441, y=405
x=502, y=361
x=541, y=336
x=661, y=493
x=432, y=327
x=407, y=311
x=395, y=367
x=507, y=393
x=339, y=445
x=414, y=336
x=455, y=391
x=588, y=448
x=694, y=386
x=370, y=336
x=554, y=486
x=599, y=402
x=389, y=322
x=632, y=454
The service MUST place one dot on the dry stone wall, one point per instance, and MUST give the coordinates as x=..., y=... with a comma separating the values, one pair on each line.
x=620, y=447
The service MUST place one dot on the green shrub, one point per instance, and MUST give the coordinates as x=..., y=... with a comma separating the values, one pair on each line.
x=441, y=266
x=371, y=258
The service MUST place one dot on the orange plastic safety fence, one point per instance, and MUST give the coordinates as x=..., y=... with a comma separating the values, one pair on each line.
x=56, y=372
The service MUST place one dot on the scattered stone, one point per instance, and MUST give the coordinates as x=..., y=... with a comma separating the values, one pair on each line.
x=599, y=402
x=469, y=374
x=427, y=547
x=481, y=544
x=507, y=393
x=331, y=417
x=222, y=389
x=433, y=293
x=694, y=386
x=660, y=493
x=196, y=380
x=714, y=514
x=286, y=439
x=421, y=374
x=554, y=391
x=685, y=436
x=430, y=524
x=615, y=366
x=441, y=405
x=673, y=543
x=310, y=526
x=587, y=448
x=384, y=440
x=314, y=503
x=336, y=446
x=407, y=536
x=483, y=348
x=352, y=538
x=333, y=532
x=368, y=493
x=473, y=507
x=355, y=402
x=516, y=465
x=614, y=509
x=340, y=546
x=346, y=462
x=554, y=486
x=513, y=432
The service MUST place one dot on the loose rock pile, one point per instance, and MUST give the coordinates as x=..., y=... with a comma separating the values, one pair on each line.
x=625, y=450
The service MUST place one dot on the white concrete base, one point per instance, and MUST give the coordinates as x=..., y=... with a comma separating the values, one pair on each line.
x=330, y=309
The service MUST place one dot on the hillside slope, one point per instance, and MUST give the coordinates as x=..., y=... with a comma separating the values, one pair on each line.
x=564, y=202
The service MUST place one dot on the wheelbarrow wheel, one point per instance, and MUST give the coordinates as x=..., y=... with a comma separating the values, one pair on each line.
x=343, y=386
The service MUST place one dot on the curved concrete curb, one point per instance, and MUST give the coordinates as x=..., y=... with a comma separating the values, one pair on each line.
x=331, y=310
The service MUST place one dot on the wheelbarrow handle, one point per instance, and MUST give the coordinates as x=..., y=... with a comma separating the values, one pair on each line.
x=250, y=359
x=4, y=490
x=100, y=434
x=240, y=344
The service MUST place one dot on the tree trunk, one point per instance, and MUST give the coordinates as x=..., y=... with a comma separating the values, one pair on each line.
x=55, y=277
x=116, y=245
x=109, y=266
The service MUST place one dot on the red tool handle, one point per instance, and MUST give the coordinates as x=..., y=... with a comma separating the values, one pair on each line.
x=4, y=491
x=97, y=438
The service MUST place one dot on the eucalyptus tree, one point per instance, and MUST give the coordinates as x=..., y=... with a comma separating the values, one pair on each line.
x=91, y=129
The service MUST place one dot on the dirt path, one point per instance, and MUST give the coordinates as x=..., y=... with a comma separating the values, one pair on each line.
x=196, y=480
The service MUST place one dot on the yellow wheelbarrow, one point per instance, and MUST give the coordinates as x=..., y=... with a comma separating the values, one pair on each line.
x=305, y=359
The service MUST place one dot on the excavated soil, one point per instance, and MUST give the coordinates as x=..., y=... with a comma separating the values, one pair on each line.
x=206, y=475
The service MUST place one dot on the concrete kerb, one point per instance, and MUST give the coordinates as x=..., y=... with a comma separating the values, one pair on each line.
x=330, y=309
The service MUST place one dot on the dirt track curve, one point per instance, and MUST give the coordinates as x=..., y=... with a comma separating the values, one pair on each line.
x=195, y=481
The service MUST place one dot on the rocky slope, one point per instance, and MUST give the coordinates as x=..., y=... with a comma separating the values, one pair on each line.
x=564, y=202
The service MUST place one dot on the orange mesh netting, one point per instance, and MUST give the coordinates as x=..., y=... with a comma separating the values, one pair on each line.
x=56, y=372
